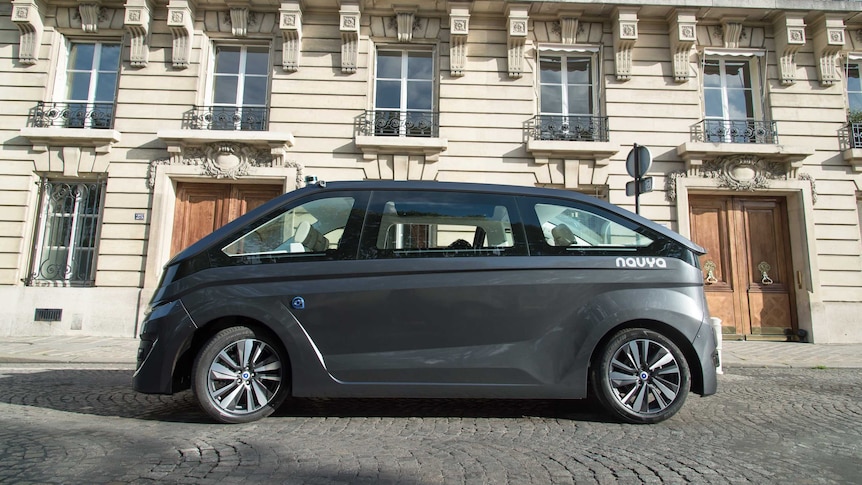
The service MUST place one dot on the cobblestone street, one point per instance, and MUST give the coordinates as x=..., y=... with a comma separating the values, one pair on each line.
x=766, y=425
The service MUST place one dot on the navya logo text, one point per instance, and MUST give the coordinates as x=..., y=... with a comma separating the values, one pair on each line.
x=641, y=263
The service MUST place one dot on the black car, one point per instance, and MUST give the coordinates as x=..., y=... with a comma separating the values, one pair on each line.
x=432, y=289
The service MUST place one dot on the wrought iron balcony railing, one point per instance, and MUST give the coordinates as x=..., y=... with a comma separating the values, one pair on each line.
x=73, y=115
x=851, y=136
x=734, y=131
x=400, y=123
x=568, y=128
x=232, y=118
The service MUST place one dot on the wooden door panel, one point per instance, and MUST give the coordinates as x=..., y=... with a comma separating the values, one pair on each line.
x=203, y=208
x=199, y=211
x=747, y=242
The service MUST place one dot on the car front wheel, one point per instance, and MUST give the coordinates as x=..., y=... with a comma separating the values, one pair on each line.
x=240, y=375
x=641, y=376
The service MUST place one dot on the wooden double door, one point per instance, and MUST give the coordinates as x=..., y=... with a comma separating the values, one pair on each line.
x=748, y=274
x=203, y=208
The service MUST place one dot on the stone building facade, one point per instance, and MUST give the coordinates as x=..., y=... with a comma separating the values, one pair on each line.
x=130, y=129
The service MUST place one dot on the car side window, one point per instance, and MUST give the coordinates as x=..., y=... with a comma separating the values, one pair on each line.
x=416, y=224
x=312, y=228
x=570, y=228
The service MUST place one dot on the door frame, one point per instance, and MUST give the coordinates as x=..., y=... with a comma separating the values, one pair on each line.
x=800, y=197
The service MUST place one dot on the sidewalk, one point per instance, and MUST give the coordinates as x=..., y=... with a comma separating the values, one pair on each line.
x=116, y=350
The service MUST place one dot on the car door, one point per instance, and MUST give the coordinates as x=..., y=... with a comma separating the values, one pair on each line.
x=438, y=295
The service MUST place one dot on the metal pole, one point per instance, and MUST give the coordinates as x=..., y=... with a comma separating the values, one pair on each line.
x=637, y=179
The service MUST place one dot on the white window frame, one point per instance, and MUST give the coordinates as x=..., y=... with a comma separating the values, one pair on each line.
x=853, y=61
x=61, y=88
x=403, y=111
x=41, y=275
x=238, y=104
x=755, y=64
x=564, y=53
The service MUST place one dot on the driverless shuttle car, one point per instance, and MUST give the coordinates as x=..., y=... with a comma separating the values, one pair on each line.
x=431, y=289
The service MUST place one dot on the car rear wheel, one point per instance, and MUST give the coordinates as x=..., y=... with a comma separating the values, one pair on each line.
x=641, y=376
x=240, y=375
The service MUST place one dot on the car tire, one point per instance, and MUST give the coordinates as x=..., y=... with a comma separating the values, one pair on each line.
x=640, y=376
x=240, y=375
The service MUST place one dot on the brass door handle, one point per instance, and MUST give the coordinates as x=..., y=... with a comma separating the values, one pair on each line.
x=764, y=276
x=710, y=278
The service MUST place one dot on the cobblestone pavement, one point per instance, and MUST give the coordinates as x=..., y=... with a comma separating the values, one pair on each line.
x=83, y=424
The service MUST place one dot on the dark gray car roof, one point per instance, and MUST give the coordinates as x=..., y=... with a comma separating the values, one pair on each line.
x=371, y=185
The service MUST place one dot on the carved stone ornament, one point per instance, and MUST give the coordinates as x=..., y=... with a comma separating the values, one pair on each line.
x=219, y=160
x=743, y=172
x=26, y=16
x=672, y=177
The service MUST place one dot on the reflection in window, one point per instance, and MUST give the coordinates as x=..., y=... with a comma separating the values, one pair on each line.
x=70, y=217
x=568, y=226
x=312, y=227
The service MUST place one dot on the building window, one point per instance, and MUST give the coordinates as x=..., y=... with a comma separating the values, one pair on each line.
x=730, y=98
x=90, y=86
x=239, y=88
x=854, y=87
x=404, y=93
x=568, y=98
x=67, y=235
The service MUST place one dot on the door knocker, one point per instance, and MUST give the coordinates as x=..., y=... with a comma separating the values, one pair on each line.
x=709, y=266
x=764, y=268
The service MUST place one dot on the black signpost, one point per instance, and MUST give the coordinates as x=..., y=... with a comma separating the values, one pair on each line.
x=638, y=162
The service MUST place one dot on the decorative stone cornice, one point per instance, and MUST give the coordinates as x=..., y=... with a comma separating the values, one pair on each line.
x=789, y=37
x=25, y=14
x=625, y=36
x=459, y=27
x=683, y=37
x=180, y=21
x=180, y=141
x=732, y=30
x=695, y=154
x=290, y=23
x=71, y=151
x=828, y=43
x=348, y=24
x=90, y=11
x=137, y=21
x=405, y=16
x=517, y=29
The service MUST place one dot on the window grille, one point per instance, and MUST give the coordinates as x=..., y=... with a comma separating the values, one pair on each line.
x=68, y=233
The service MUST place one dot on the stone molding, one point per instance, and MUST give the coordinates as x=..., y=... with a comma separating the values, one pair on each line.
x=71, y=151
x=180, y=21
x=683, y=37
x=517, y=28
x=459, y=28
x=625, y=37
x=349, y=18
x=28, y=19
x=137, y=20
x=789, y=37
x=290, y=24
x=829, y=39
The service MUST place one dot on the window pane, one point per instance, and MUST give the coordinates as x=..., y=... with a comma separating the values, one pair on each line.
x=579, y=71
x=711, y=73
x=224, y=91
x=81, y=57
x=388, y=94
x=550, y=70
x=740, y=105
x=389, y=65
x=78, y=86
x=106, y=87
x=552, y=99
x=110, y=60
x=580, y=100
x=420, y=65
x=313, y=227
x=257, y=61
x=713, y=104
x=227, y=59
x=255, y=91
x=565, y=226
x=419, y=95
x=738, y=75
x=853, y=82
